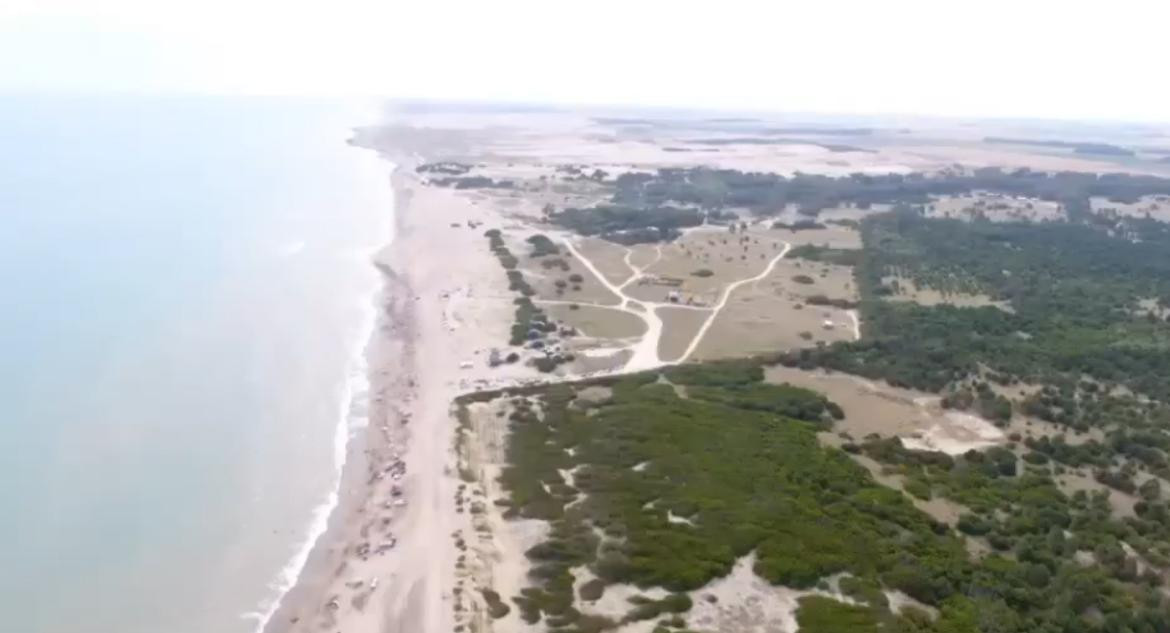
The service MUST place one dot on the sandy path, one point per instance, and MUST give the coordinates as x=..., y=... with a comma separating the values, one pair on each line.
x=645, y=351
x=856, y=324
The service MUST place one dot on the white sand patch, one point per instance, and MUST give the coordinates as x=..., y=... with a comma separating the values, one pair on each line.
x=745, y=603
x=567, y=475
x=601, y=352
x=899, y=601
x=671, y=517
x=956, y=433
x=1141, y=564
x=615, y=602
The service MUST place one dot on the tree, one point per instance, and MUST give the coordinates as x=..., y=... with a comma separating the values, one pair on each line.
x=1151, y=490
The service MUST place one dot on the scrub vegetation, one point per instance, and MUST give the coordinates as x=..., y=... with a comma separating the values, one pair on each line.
x=669, y=491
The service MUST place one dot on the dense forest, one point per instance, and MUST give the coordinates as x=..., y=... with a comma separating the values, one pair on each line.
x=648, y=206
x=629, y=225
x=739, y=462
x=1076, y=301
x=767, y=193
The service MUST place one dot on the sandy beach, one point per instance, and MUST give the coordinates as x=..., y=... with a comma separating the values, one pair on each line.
x=385, y=561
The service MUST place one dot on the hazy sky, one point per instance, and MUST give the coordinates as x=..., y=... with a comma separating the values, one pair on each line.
x=1065, y=59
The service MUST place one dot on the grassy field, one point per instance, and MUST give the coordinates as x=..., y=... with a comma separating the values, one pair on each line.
x=595, y=322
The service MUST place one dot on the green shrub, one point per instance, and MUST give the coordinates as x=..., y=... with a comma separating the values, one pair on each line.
x=542, y=245
x=592, y=589
x=818, y=614
x=496, y=608
x=918, y=488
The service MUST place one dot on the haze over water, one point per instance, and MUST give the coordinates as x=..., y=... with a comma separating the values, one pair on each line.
x=187, y=286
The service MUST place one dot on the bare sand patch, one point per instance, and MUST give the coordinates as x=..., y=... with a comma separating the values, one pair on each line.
x=743, y=602
x=899, y=601
x=679, y=327
x=598, y=322
x=602, y=360
x=877, y=408
x=1151, y=306
x=954, y=433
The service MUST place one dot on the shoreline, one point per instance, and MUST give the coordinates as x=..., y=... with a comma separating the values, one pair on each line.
x=350, y=490
x=354, y=415
x=382, y=562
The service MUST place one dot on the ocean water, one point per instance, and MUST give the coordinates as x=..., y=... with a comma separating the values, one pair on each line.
x=187, y=291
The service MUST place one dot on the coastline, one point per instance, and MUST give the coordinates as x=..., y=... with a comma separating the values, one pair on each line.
x=382, y=562
x=328, y=545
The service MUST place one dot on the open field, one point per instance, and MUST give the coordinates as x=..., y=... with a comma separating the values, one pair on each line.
x=830, y=236
x=609, y=258
x=773, y=314
x=679, y=328
x=878, y=408
x=727, y=256
x=598, y=322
